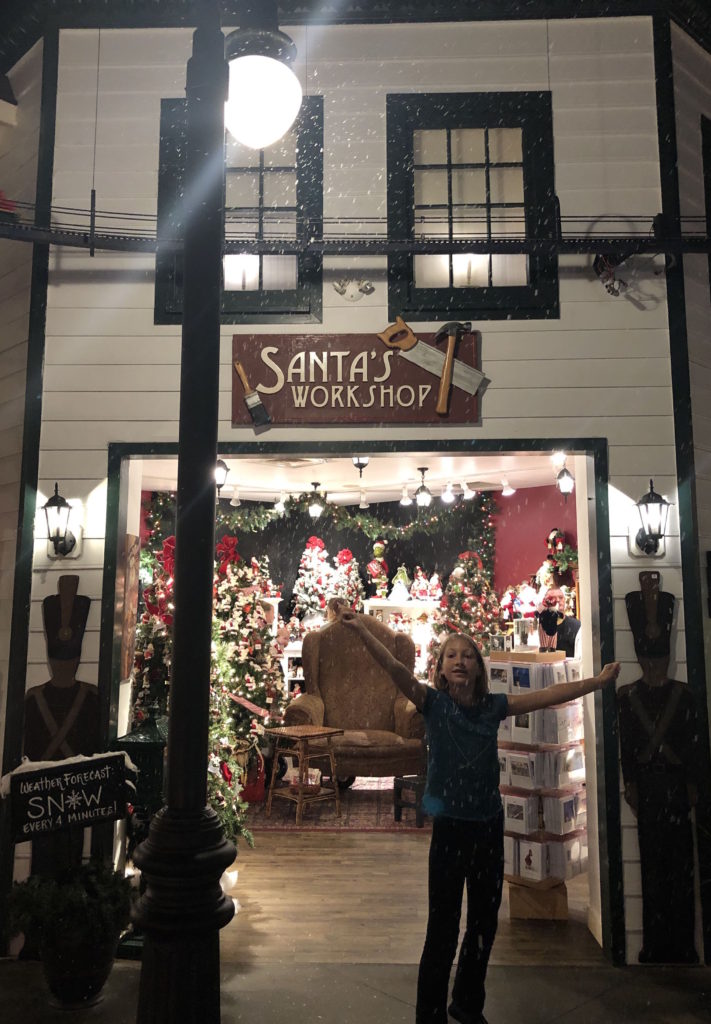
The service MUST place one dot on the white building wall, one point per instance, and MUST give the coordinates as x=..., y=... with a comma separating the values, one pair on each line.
x=18, y=175
x=601, y=370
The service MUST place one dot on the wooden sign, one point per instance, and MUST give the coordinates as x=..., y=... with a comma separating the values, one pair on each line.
x=62, y=794
x=356, y=379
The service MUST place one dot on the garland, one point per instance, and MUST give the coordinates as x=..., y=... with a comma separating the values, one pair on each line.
x=479, y=512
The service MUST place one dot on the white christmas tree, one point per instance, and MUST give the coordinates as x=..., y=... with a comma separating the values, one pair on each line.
x=314, y=583
x=347, y=583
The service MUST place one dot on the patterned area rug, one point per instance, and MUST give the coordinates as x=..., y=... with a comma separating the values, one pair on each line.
x=366, y=807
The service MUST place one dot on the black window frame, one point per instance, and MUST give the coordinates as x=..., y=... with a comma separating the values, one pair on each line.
x=532, y=112
x=303, y=304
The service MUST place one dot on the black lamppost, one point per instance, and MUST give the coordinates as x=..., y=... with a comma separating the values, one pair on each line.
x=183, y=907
x=185, y=854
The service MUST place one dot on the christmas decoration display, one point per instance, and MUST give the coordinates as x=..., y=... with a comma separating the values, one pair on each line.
x=420, y=588
x=314, y=583
x=434, y=587
x=347, y=583
x=249, y=517
x=400, y=591
x=468, y=605
x=378, y=571
x=246, y=685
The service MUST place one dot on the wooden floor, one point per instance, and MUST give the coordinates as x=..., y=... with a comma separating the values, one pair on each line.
x=321, y=897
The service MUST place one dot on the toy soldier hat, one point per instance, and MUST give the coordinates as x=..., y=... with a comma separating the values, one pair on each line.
x=65, y=615
x=651, y=635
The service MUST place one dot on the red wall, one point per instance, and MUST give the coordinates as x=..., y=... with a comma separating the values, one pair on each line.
x=522, y=524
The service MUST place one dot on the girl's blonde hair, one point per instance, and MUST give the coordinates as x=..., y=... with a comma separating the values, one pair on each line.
x=481, y=683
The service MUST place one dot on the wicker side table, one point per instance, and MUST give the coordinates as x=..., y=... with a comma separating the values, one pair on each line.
x=294, y=740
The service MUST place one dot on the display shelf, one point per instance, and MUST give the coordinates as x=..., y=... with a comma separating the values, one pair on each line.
x=569, y=790
x=542, y=884
x=418, y=626
x=541, y=836
x=540, y=748
x=290, y=661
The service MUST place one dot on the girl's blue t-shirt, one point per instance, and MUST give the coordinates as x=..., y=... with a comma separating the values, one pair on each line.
x=462, y=758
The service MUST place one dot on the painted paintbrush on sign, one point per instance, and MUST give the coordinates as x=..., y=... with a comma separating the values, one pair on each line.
x=255, y=406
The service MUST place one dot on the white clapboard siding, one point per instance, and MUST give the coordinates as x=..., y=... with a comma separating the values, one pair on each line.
x=601, y=370
x=18, y=174
x=692, y=100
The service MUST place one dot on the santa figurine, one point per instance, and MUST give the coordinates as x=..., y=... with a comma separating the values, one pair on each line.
x=420, y=585
x=434, y=588
x=378, y=572
x=507, y=604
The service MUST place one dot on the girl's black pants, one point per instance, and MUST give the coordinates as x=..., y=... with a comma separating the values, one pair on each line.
x=470, y=852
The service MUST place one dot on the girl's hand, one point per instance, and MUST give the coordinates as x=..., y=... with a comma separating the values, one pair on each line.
x=608, y=675
x=349, y=618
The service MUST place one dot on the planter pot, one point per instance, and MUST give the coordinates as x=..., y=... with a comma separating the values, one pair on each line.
x=76, y=972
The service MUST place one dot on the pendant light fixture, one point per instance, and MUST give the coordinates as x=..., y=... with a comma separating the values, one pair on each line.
x=360, y=462
x=423, y=495
x=264, y=93
x=316, y=506
x=565, y=482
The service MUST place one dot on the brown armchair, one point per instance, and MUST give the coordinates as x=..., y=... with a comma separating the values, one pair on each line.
x=345, y=688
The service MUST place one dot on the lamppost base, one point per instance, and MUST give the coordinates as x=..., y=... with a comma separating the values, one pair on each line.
x=181, y=912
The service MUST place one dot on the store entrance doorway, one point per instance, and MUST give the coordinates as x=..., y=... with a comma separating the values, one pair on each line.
x=528, y=513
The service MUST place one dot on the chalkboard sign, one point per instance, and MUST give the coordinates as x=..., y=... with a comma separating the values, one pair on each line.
x=65, y=794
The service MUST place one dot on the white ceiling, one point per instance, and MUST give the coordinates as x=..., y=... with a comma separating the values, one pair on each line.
x=264, y=478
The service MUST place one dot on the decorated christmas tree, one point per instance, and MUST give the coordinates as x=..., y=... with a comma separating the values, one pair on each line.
x=468, y=605
x=347, y=583
x=314, y=582
x=246, y=682
x=154, y=632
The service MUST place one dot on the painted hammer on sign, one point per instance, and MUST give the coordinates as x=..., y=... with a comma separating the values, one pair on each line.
x=451, y=331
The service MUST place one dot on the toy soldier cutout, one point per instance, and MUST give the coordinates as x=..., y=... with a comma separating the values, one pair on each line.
x=659, y=741
x=62, y=715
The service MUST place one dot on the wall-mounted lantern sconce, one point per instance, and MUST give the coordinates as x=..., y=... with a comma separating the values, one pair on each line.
x=316, y=506
x=264, y=93
x=648, y=539
x=221, y=471
x=61, y=542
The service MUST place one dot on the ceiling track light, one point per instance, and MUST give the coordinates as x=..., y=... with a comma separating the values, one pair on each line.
x=448, y=495
x=316, y=506
x=423, y=495
x=280, y=504
x=506, y=489
x=235, y=500
x=467, y=492
x=405, y=500
x=363, y=501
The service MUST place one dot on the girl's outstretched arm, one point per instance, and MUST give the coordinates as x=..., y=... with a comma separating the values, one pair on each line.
x=399, y=673
x=559, y=693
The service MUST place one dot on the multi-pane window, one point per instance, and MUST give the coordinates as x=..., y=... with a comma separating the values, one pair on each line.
x=470, y=166
x=275, y=193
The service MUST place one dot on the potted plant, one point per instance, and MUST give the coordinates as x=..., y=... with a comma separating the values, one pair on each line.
x=76, y=918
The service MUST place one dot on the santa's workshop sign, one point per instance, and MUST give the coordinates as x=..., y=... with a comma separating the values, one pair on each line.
x=395, y=376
